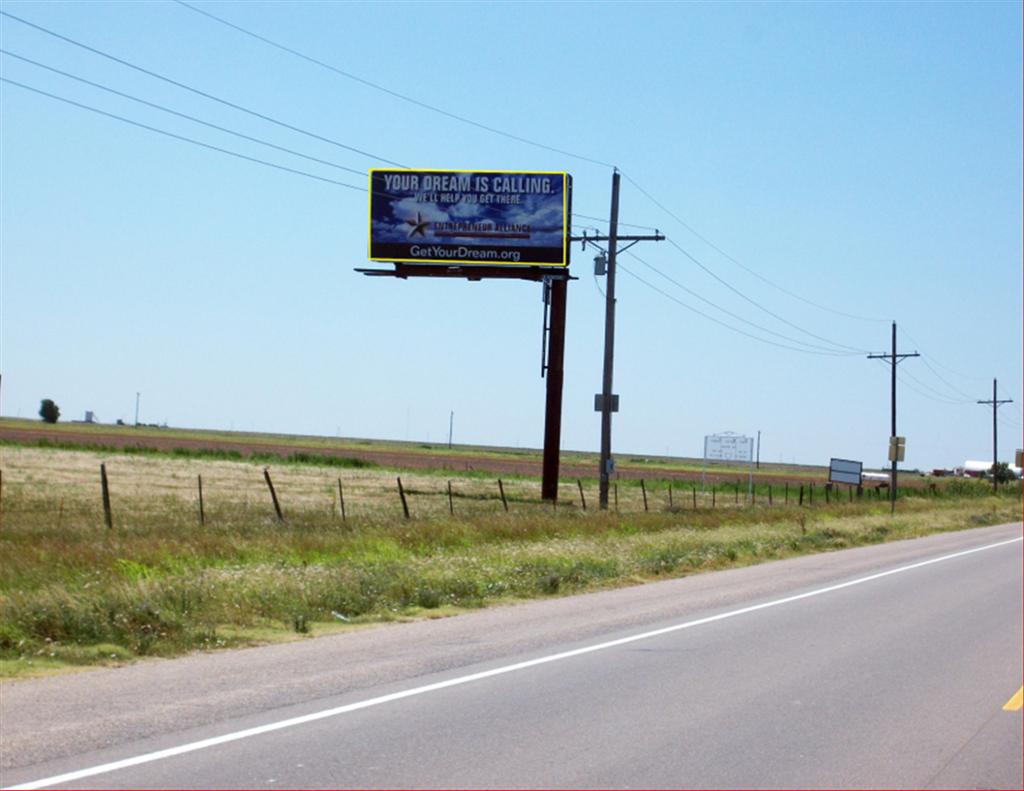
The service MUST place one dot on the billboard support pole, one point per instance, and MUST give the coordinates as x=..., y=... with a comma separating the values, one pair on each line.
x=553, y=405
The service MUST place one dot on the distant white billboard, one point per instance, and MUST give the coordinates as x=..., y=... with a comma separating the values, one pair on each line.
x=728, y=447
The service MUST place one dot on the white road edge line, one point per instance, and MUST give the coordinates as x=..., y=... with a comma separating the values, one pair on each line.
x=454, y=682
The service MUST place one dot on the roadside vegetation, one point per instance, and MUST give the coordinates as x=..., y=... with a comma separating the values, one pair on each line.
x=160, y=582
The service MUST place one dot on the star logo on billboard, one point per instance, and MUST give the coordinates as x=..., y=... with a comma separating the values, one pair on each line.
x=419, y=226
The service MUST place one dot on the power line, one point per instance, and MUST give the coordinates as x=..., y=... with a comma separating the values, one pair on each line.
x=605, y=222
x=180, y=137
x=761, y=307
x=199, y=92
x=742, y=266
x=736, y=316
x=183, y=115
x=718, y=321
x=389, y=91
x=939, y=396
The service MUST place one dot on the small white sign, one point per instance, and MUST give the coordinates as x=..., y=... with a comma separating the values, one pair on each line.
x=728, y=447
x=845, y=471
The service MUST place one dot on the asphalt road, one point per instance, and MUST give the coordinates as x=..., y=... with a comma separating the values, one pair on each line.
x=884, y=666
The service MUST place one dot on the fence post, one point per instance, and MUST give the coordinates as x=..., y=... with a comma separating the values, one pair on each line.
x=787, y=492
x=736, y=491
x=202, y=513
x=105, y=492
x=801, y=494
x=713, y=496
x=670, y=505
x=341, y=499
x=694, y=490
x=769, y=494
x=501, y=491
x=451, y=505
x=583, y=499
x=644, y=490
x=273, y=494
x=828, y=489
x=401, y=495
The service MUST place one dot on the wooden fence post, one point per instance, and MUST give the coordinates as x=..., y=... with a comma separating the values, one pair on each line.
x=643, y=489
x=501, y=491
x=105, y=493
x=451, y=504
x=787, y=492
x=341, y=500
x=736, y=491
x=769, y=494
x=694, y=490
x=401, y=495
x=202, y=512
x=583, y=499
x=801, y=494
x=670, y=506
x=712, y=496
x=273, y=494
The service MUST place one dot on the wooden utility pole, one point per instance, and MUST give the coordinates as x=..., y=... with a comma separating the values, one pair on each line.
x=606, y=403
x=609, y=347
x=894, y=359
x=996, y=403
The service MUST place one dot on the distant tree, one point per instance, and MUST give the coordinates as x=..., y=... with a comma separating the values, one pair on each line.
x=49, y=411
x=1002, y=473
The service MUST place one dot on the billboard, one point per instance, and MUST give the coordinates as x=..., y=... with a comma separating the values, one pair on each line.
x=459, y=217
x=846, y=471
x=728, y=447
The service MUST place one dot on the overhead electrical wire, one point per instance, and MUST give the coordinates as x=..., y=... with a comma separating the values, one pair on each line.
x=199, y=92
x=186, y=116
x=741, y=265
x=938, y=394
x=180, y=137
x=605, y=222
x=691, y=292
x=761, y=307
x=718, y=321
x=377, y=87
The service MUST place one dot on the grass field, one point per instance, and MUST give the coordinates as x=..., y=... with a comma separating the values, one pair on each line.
x=74, y=592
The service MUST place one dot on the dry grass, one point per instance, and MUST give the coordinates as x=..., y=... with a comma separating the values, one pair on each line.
x=74, y=592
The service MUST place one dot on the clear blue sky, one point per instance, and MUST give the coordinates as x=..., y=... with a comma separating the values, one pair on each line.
x=865, y=157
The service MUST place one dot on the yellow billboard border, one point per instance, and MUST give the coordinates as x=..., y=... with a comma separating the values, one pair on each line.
x=449, y=262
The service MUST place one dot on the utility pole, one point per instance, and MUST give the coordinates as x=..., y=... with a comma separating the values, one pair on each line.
x=894, y=359
x=606, y=402
x=609, y=347
x=759, y=449
x=137, y=408
x=451, y=424
x=996, y=403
